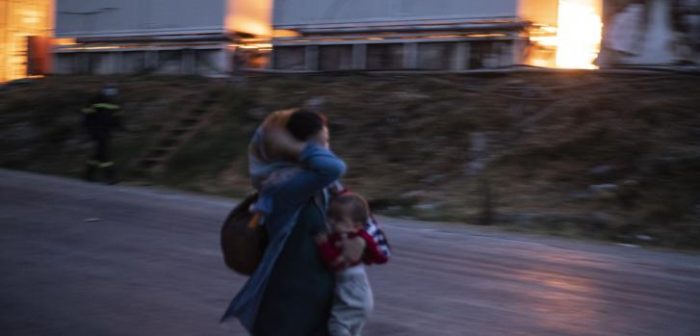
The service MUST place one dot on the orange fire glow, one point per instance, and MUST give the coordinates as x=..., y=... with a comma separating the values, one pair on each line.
x=579, y=33
x=574, y=43
x=21, y=20
x=64, y=41
x=279, y=33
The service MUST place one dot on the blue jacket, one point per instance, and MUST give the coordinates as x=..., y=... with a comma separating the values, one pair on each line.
x=320, y=168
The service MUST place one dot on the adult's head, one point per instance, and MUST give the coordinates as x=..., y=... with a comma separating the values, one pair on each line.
x=305, y=125
x=283, y=129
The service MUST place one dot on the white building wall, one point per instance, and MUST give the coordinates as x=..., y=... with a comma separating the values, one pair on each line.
x=206, y=30
x=442, y=35
x=294, y=13
x=78, y=18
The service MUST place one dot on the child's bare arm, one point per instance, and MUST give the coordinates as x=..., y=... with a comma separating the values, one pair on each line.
x=330, y=254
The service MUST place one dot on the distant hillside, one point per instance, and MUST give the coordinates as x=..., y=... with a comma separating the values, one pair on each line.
x=607, y=156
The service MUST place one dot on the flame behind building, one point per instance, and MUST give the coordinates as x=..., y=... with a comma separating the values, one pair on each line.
x=25, y=32
x=579, y=31
x=447, y=35
x=215, y=37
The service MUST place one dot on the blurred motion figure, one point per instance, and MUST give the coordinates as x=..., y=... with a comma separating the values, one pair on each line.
x=100, y=118
x=353, y=301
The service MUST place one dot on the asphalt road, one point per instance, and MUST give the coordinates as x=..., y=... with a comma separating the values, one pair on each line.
x=88, y=259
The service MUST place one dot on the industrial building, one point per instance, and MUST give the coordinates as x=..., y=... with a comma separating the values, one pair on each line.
x=452, y=35
x=459, y=35
x=156, y=36
x=215, y=37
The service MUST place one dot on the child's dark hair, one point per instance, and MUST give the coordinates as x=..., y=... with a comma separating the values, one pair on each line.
x=304, y=124
x=356, y=205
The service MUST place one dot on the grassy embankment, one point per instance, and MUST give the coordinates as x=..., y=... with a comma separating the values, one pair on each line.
x=578, y=154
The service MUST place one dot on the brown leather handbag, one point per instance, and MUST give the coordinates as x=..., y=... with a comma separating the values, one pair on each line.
x=243, y=239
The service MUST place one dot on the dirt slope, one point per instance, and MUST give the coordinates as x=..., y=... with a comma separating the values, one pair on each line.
x=612, y=156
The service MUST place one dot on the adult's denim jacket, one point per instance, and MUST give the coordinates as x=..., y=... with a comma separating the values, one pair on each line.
x=320, y=168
